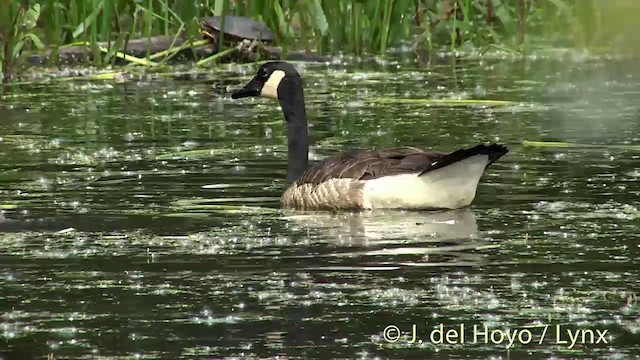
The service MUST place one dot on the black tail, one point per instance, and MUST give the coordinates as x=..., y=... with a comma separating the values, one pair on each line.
x=495, y=152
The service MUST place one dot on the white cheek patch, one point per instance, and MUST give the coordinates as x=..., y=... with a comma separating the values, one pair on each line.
x=270, y=88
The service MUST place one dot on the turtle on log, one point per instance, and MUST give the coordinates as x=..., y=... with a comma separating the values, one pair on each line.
x=236, y=28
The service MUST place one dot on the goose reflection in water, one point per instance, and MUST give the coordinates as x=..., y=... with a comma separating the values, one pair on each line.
x=401, y=237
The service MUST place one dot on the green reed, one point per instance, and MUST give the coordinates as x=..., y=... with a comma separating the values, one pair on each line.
x=325, y=26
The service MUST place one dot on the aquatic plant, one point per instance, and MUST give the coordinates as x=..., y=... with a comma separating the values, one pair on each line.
x=16, y=34
x=325, y=26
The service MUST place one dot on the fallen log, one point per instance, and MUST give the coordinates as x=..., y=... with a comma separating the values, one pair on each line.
x=142, y=48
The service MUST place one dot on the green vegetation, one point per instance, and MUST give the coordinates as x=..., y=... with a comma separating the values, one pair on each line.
x=324, y=26
x=16, y=33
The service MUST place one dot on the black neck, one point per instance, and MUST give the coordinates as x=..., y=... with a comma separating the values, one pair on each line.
x=291, y=98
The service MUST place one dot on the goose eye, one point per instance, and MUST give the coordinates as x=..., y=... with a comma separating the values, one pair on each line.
x=263, y=74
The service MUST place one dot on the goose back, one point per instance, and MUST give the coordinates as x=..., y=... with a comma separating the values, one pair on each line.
x=338, y=181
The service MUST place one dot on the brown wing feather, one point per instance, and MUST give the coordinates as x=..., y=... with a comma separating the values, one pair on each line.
x=370, y=164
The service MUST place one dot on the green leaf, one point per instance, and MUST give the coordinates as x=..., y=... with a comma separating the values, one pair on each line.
x=218, y=7
x=321, y=19
x=561, y=5
x=31, y=17
x=59, y=5
x=17, y=48
x=280, y=15
x=503, y=14
x=34, y=39
x=89, y=20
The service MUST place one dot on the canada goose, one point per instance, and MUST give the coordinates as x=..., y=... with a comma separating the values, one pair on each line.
x=407, y=178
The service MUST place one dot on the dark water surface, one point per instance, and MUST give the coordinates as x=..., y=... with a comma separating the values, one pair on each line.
x=141, y=220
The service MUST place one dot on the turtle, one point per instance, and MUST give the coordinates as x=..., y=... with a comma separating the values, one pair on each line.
x=236, y=28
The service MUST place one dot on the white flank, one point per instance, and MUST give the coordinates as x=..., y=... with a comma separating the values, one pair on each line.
x=450, y=187
x=270, y=88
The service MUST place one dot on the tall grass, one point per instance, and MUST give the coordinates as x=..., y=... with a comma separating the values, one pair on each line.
x=326, y=26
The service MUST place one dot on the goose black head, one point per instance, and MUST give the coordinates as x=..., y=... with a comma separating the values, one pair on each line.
x=270, y=81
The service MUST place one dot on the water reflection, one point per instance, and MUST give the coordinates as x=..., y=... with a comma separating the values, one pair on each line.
x=388, y=239
x=364, y=228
